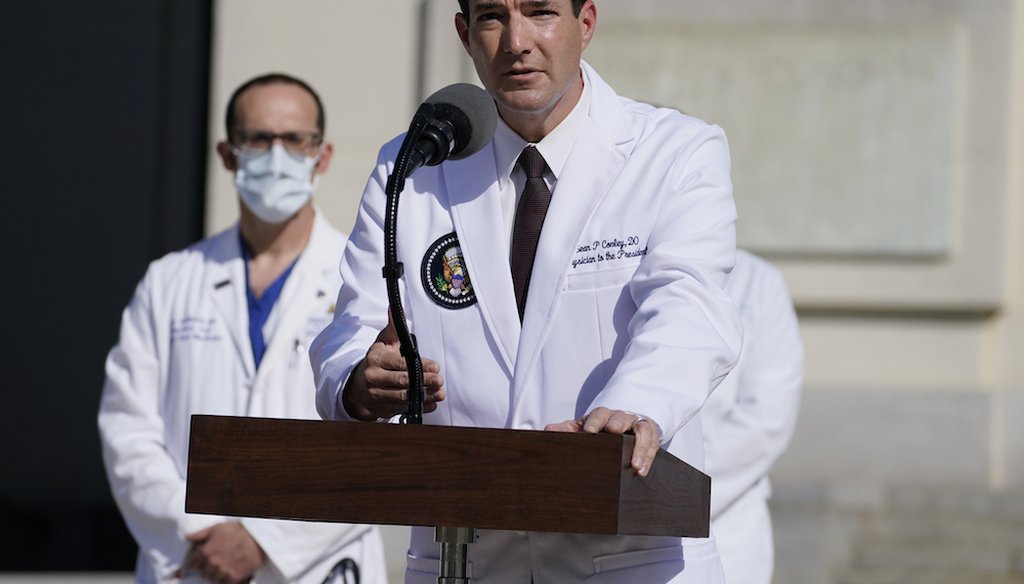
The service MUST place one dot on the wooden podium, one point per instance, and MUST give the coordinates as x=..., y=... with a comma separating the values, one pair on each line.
x=356, y=472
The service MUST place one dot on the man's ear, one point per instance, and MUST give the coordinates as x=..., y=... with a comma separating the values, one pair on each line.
x=588, y=22
x=462, y=27
x=325, y=158
x=227, y=157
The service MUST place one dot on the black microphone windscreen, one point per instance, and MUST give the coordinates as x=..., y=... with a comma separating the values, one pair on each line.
x=471, y=112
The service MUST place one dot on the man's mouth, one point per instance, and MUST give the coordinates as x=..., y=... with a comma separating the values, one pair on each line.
x=520, y=72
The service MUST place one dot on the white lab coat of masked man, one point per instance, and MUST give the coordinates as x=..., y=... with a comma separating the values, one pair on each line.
x=184, y=343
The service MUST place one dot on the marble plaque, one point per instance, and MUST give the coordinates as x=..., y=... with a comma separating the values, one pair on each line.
x=844, y=142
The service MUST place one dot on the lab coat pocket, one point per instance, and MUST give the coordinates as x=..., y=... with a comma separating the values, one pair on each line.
x=603, y=278
x=595, y=312
x=420, y=570
x=651, y=566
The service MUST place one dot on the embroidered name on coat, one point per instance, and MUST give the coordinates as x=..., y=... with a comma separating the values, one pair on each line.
x=612, y=249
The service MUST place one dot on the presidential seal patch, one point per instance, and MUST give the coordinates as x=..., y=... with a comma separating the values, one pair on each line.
x=445, y=275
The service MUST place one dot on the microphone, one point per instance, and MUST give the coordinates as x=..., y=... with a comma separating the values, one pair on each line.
x=460, y=120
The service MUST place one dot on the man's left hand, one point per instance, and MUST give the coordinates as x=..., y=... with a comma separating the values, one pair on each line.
x=647, y=432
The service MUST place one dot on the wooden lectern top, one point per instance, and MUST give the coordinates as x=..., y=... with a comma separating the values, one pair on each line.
x=357, y=472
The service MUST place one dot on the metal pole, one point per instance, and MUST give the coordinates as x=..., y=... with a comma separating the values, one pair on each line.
x=454, y=553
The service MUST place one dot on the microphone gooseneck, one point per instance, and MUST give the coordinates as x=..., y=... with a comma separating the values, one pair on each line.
x=453, y=123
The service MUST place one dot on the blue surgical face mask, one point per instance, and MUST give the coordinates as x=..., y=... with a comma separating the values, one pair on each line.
x=274, y=184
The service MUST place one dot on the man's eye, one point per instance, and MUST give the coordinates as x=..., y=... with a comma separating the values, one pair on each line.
x=291, y=138
x=488, y=16
x=261, y=138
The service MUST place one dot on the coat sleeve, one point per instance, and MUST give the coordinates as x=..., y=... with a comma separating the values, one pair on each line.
x=742, y=446
x=685, y=335
x=144, y=479
x=362, y=300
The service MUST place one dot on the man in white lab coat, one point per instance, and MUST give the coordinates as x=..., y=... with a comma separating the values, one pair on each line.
x=617, y=321
x=222, y=327
x=749, y=420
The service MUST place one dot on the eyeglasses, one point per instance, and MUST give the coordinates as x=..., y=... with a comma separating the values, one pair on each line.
x=297, y=143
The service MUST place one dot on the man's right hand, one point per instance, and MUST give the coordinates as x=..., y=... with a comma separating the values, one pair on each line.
x=225, y=553
x=379, y=386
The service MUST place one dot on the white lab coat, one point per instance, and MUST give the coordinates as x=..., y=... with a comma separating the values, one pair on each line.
x=650, y=330
x=184, y=349
x=750, y=418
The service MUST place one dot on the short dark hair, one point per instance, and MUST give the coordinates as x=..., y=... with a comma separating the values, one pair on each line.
x=230, y=120
x=577, y=5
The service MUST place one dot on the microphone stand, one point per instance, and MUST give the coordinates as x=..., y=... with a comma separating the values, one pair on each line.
x=394, y=269
x=454, y=540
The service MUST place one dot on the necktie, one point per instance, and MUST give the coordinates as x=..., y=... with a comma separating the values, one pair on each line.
x=533, y=206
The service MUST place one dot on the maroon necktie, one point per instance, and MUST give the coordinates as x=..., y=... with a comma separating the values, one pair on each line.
x=530, y=212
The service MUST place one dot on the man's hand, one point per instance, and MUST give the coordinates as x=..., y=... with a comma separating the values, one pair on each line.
x=647, y=432
x=379, y=385
x=224, y=553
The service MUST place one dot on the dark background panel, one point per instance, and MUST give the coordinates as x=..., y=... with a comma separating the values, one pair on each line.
x=103, y=154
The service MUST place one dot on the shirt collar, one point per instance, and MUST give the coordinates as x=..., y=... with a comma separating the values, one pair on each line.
x=554, y=147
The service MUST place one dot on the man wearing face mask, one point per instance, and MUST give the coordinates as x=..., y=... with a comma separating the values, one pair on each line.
x=222, y=327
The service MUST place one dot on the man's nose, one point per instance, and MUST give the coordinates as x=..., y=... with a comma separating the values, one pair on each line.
x=518, y=35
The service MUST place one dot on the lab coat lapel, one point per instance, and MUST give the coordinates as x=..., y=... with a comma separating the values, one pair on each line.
x=305, y=285
x=225, y=283
x=597, y=157
x=472, y=187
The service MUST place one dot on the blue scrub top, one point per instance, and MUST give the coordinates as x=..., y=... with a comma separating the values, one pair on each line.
x=259, y=308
